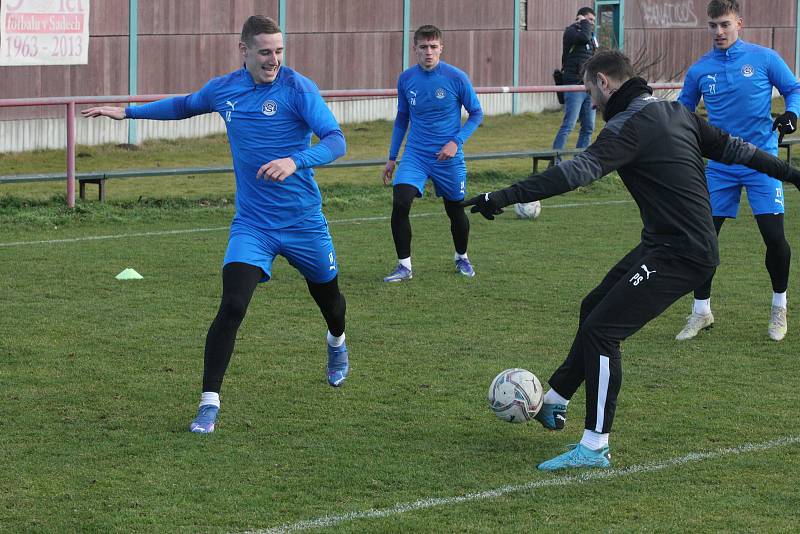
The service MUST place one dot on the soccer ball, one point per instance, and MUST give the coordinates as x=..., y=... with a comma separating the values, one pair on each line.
x=515, y=395
x=528, y=210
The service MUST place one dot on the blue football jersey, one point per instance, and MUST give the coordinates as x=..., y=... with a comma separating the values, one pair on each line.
x=265, y=122
x=736, y=87
x=431, y=101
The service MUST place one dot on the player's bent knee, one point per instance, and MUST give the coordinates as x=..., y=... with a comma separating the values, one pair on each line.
x=402, y=205
x=587, y=305
x=599, y=337
x=453, y=208
x=776, y=241
x=233, y=309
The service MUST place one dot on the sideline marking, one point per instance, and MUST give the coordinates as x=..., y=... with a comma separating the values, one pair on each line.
x=583, y=477
x=221, y=228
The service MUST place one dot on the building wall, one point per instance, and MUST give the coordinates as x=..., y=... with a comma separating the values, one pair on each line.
x=540, y=43
x=106, y=73
x=352, y=44
x=676, y=31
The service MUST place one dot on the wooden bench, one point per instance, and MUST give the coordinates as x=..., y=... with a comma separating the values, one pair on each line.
x=99, y=177
x=788, y=143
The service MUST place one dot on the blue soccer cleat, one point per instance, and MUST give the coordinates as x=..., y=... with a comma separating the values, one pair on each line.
x=552, y=416
x=578, y=456
x=338, y=365
x=204, y=422
x=399, y=274
x=463, y=266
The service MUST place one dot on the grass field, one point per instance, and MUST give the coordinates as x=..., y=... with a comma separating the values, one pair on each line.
x=100, y=378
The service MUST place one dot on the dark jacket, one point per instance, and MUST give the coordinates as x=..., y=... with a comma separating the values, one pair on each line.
x=578, y=46
x=657, y=147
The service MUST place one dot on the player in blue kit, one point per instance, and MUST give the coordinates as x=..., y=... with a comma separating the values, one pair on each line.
x=735, y=80
x=430, y=96
x=270, y=112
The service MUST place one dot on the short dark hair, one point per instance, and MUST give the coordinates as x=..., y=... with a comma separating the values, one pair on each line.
x=585, y=11
x=428, y=32
x=256, y=25
x=612, y=63
x=720, y=8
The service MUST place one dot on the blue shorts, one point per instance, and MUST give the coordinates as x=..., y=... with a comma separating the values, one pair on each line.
x=307, y=246
x=449, y=176
x=764, y=193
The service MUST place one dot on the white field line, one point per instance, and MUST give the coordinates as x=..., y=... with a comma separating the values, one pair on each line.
x=222, y=228
x=564, y=480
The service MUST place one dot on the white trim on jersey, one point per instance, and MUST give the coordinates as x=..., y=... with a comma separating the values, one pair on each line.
x=602, y=392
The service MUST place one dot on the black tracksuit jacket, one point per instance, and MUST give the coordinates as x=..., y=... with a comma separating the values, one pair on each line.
x=657, y=147
x=577, y=46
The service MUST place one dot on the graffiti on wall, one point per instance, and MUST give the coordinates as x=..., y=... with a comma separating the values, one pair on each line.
x=674, y=14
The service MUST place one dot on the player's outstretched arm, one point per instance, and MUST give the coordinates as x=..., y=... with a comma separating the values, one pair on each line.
x=718, y=145
x=547, y=184
x=113, y=112
x=487, y=204
x=773, y=166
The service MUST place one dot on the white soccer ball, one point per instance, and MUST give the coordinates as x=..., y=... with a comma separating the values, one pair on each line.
x=528, y=210
x=515, y=395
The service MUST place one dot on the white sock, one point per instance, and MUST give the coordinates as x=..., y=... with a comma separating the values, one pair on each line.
x=460, y=256
x=551, y=397
x=779, y=300
x=701, y=307
x=405, y=262
x=334, y=341
x=209, y=397
x=593, y=440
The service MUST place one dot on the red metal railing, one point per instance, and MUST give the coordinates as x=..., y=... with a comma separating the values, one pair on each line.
x=72, y=101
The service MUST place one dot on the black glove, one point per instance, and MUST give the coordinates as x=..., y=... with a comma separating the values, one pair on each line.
x=785, y=124
x=485, y=204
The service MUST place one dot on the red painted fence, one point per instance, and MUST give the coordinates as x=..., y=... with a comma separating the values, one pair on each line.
x=71, y=101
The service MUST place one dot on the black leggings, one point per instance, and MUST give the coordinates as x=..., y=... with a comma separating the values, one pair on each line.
x=402, y=197
x=778, y=257
x=239, y=281
x=634, y=292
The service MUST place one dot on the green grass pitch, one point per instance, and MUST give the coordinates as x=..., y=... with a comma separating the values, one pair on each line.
x=100, y=378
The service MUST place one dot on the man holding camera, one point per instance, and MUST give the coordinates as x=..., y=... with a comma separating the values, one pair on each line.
x=579, y=45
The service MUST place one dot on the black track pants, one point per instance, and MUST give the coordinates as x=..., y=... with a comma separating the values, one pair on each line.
x=636, y=290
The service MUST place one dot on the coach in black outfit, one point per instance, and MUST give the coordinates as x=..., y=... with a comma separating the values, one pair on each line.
x=658, y=149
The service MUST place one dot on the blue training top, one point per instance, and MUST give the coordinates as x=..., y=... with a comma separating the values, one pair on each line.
x=736, y=86
x=265, y=122
x=432, y=100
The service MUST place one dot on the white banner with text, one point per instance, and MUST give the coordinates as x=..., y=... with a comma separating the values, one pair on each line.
x=44, y=32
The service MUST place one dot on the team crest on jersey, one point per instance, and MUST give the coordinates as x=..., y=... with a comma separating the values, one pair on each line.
x=747, y=70
x=440, y=93
x=269, y=108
